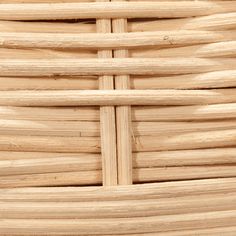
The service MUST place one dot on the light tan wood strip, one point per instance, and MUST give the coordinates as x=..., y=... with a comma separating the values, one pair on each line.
x=100, y=10
x=122, y=225
x=116, y=97
x=123, y=115
x=115, y=66
x=214, y=156
x=116, y=209
x=49, y=144
x=195, y=140
x=225, y=21
x=107, y=115
x=118, y=39
x=218, y=79
x=123, y=192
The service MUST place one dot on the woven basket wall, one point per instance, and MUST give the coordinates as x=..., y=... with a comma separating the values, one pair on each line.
x=117, y=117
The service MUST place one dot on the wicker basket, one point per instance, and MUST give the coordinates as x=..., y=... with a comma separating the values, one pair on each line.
x=117, y=117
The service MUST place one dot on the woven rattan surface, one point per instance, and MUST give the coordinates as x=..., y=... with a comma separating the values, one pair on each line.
x=117, y=117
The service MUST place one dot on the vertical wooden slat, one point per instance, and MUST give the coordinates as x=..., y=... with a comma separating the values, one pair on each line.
x=123, y=116
x=107, y=117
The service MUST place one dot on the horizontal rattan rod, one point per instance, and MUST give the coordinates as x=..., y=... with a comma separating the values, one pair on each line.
x=46, y=27
x=205, y=231
x=147, y=191
x=91, y=177
x=111, y=40
x=115, y=209
x=50, y=128
x=214, y=156
x=49, y=144
x=185, y=113
x=152, y=113
x=20, y=163
x=187, y=141
x=112, y=10
x=49, y=163
x=47, y=83
x=118, y=97
x=122, y=225
x=220, y=49
x=92, y=129
x=48, y=54
x=218, y=79
x=116, y=66
x=183, y=173
x=172, y=128
x=225, y=21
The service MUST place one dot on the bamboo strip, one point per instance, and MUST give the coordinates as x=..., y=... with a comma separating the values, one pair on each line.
x=140, y=113
x=225, y=21
x=50, y=163
x=50, y=114
x=140, y=175
x=183, y=173
x=50, y=128
x=172, y=128
x=184, y=113
x=228, y=231
x=103, y=10
x=55, y=83
x=116, y=97
x=221, y=49
x=123, y=192
x=17, y=163
x=123, y=115
x=116, y=209
x=196, y=140
x=48, y=144
x=91, y=129
x=11, y=53
x=52, y=179
x=47, y=27
x=214, y=156
x=117, y=66
x=107, y=115
x=118, y=39
x=218, y=79
x=122, y=225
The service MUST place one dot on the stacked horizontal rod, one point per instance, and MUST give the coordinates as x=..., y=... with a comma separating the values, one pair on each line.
x=91, y=95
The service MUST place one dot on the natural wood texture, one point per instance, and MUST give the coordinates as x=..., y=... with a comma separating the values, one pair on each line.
x=171, y=128
x=117, y=66
x=185, y=113
x=107, y=115
x=195, y=140
x=121, y=225
x=116, y=97
x=115, y=209
x=93, y=177
x=118, y=39
x=44, y=83
x=213, y=22
x=123, y=115
x=50, y=113
x=47, y=27
x=183, y=173
x=49, y=144
x=50, y=128
x=123, y=192
x=214, y=156
x=113, y=10
x=222, y=50
x=218, y=79
x=20, y=163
